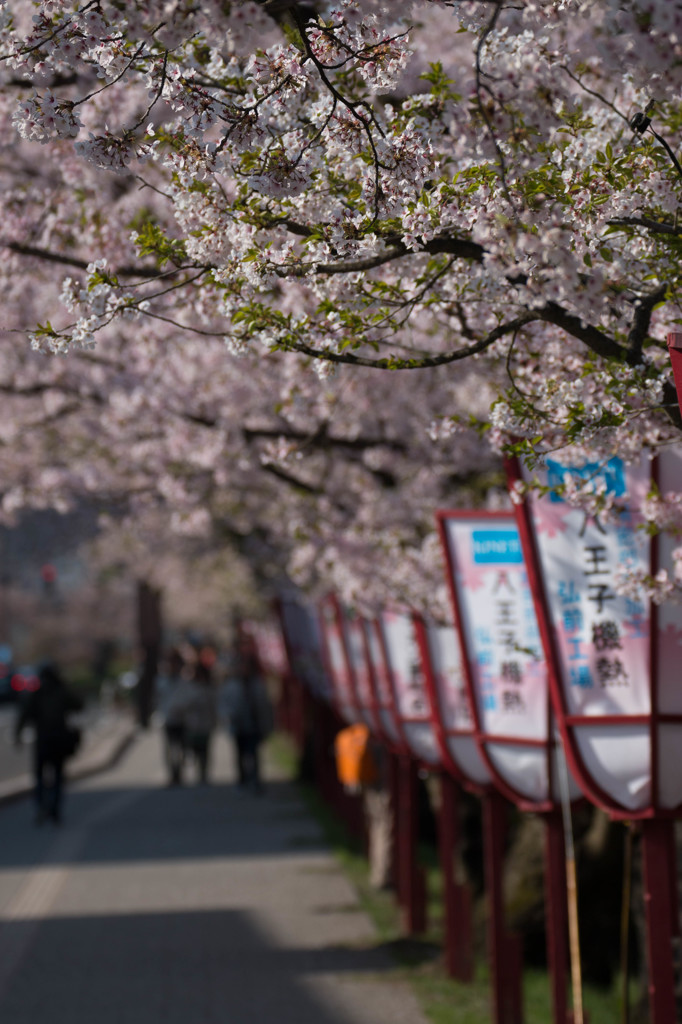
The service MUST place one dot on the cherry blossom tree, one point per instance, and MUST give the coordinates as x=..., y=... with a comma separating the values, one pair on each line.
x=368, y=228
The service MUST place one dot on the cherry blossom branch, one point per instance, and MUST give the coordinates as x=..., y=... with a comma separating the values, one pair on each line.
x=352, y=106
x=122, y=74
x=416, y=364
x=60, y=28
x=460, y=247
x=522, y=395
x=487, y=31
x=593, y=92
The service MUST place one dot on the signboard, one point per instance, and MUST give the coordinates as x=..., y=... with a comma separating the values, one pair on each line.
x=271, y=649
x=453, y=717
x=616, y=659
x=337, y=660
x=383, y=690
x=504, y=663
x=304, y=646
x=406, y=675
x=356, y=648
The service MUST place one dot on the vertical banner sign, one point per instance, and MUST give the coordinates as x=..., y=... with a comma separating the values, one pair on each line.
x=505, y=667
x=615, y=662
x=382, y=686
x=453, y=706
x=617, y=659
x=304, y=645
x=356, y=647
x=667, y=653
x=406, y=673
x=271, y=650
x=337, y=660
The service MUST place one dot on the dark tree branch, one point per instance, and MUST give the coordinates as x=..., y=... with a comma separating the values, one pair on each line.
x=459, y=247
x=321, y=439
x=292, y=480
x=655, y=226
x=601, y=344
x=149, y=273
x=639, y=331
x=421, y=363
x=608, y=348
x=275, y=7
x=56, y=81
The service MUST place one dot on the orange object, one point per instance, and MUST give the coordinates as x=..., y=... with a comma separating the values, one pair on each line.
x=355, y=765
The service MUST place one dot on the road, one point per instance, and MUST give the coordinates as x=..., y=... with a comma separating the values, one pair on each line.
x=194, y=904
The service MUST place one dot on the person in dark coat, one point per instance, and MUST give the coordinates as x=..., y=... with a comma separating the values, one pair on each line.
x=200, y=718
x=248, y=710
x=47, y=710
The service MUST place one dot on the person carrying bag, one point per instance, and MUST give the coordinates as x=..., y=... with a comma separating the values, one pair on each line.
x=47, y=710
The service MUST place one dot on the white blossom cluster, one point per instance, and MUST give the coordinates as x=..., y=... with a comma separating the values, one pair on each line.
x=372, y=185
x=44, y=117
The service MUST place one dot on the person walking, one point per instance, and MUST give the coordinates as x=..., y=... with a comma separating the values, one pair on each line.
x=47, y=710
x=249, y=712
x=200, y=718
x=175, y=696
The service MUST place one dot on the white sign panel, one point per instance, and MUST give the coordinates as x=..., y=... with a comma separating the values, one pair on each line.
x=304, y=645
x=354, y=634
x=271, y=649
x=603, y=637
x=382, y=684
x=407, y=675
x=339, y=666
x=499, y=627
x=454, y=707
x=506, y=664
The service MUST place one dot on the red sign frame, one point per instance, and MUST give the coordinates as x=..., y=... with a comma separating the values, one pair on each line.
x=568, y=723
x=442, y=734
x=346, y=707
x=521, y=800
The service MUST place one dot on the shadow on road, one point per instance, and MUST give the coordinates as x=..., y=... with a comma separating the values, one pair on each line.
x=207, y=968
x=138, y=824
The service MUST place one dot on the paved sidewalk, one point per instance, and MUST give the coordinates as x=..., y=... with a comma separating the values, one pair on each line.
x=199, y=905
x=104, y=740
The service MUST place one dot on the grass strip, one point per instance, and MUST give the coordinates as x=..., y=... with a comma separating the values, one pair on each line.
x=419, y=960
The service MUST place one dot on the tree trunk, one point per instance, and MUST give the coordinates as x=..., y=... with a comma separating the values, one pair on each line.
x=149, y=620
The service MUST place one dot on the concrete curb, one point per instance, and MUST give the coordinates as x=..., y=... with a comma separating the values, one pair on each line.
x=105, y=755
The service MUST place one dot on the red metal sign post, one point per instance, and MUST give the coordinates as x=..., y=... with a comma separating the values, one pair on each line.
x=448, y=706
x=411, y=877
